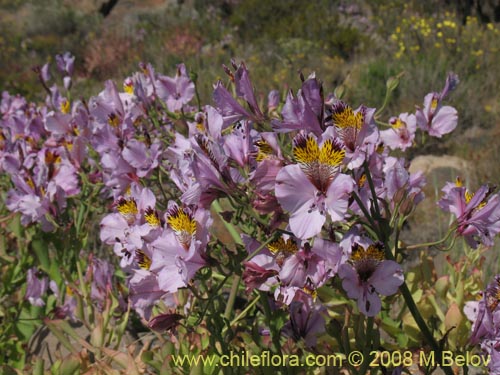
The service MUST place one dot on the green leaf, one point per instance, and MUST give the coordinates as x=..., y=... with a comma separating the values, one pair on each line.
x=41, y=250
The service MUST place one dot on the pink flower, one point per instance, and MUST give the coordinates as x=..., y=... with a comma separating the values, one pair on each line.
x=357, y=130
x=477, y=215
x=314, y=188
x=402, y=132
x=434, y=118
x=367, y=274
x=306, y=319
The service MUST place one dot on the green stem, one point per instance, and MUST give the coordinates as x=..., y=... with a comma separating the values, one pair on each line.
x=263, y=245
x=429, y=338
x=232, y=296
x=429, y=244
x=243, y=313
x=365, y=211
x=368, y=345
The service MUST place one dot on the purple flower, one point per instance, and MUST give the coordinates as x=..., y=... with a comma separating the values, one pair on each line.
x=180, y=250
x=99, y=273
x=136, y=224
x=231, y=110
x=477, y=215
x=437, y=120
x=244, y=89
x=402, y=132
x=367, y=274
x=36, y=287
x=357, y=130
x=65, y=63
x=306, y=319
x=400, y=185
x=485, y=317
x=303, y=269
x=145, y=293
x=260, y=272
x=144, y=158
x=177, y=91
x=434, y=118
x=314, y=187
x=273, y=100
x=304, y=111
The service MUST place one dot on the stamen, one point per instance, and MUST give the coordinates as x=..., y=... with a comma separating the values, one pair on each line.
x=182, y=224
x=288, y=247
x=344, y=117
x=152, y=218
x=113, y=120
x=127, y=208
x=143, y=260
x=319, y=164
x=366, y=261
x=397, y=123
x=65, y=106
x=264, y=149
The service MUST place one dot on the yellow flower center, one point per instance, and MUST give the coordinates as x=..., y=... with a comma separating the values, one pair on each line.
x=127, y=208
x=183, y=225
x=143, y=260
x=65, y=106
x=264, y=149
x=434, y=104
x=30, y=182
x=346, y=118
x=319, y=164
x=397, y=124
x=366, y=261
x=128, y=87
x=151, y=217
x=288, y=247
x=282, y=249
x=113, y=120
x=373, y=252
x=52, y=157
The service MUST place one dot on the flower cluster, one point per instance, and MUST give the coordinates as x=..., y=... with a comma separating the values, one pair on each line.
x=310, y=184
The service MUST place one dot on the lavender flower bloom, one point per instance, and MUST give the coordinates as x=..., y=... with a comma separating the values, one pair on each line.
x=245, y=90
x=99, y=273
x=485, y=315
x=304, y=111
x=177, y=91
x=401, y=185
x=231, y=110
x=273, y=100
x=434, y=118
x=357, y=130
x=366, y=274
x=144, y=158
x=314, y=187
x=179, y=251
x=135, y=224
x=65, y=63
x=477, y=215
x=145, y=293
x=402, y=132
x=36, y=287
x=304, y=269
x=306, y=319
x=260, y=271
